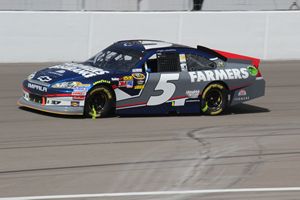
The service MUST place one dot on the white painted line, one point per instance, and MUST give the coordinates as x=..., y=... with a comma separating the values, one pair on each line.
x=156, y=193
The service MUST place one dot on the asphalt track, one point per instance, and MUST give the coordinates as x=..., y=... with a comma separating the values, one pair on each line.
x=254, y=145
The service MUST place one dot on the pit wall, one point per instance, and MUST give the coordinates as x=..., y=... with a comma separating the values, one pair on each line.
x=75, y=36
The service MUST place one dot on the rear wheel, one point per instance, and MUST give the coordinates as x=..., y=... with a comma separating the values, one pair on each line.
x=99, y=102
x=214, y=99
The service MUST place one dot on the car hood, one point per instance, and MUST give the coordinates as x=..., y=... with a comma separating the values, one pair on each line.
x=67, y=72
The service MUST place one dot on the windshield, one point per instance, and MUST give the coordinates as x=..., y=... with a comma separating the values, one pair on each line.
x=116, y=59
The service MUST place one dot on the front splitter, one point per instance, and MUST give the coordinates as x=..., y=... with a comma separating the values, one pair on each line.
x=61, y=110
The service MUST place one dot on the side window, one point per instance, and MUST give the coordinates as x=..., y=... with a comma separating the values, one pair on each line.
x=196, y=63
x=152, y=64
x=163, y=62
x=168, y=62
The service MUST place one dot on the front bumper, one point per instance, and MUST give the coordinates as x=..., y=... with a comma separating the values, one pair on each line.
x=63, y=110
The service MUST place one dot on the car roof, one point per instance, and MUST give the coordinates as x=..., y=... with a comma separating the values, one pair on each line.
x=143, y=44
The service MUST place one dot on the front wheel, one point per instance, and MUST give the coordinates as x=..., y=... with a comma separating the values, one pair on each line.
x=99, y=102
x=214, y=99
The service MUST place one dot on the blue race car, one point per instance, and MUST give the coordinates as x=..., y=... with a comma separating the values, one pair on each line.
x=145, y=77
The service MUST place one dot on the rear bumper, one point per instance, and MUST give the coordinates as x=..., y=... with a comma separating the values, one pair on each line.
x=62, y=110
x=250, y=92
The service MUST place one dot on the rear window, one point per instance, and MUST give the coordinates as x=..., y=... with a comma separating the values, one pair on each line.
x=197, y=63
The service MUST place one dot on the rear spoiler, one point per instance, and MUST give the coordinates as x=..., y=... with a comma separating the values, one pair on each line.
x=212, y=52
x=223, y=55
x=255, y=61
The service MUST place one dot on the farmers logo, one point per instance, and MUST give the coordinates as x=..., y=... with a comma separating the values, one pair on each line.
x=222, y=74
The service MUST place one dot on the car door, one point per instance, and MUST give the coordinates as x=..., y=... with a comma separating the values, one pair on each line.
x=168, y=74
x=164, y=82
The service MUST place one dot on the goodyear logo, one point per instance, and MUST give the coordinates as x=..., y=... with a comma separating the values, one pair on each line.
x=101, y=81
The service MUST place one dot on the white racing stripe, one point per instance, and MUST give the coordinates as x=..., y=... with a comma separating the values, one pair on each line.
x=157, y=193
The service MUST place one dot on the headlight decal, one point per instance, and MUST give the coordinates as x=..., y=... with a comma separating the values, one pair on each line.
x=69, y=85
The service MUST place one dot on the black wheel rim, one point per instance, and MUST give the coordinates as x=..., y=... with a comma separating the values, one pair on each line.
x=96, y=104
x=214, y=99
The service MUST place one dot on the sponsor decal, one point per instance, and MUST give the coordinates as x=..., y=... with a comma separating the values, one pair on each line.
x=193, y=93
x=182, y=58
x=81, y=85
x=78, y=97
x=245, y=98
x=242, y=92
x=37, y=87
x=80, y=88
x=101, y=81
x=252, y=70
x=79, y=93
x=137, y=70
x=220, y=64
x=127, y=78
x=139, y=87
x=74, y=103
x=44, y=78
x=85, y=71
x=138, y=76
x=220, y=74
x=140, y=82
x=122, y=84
x=129, y=84
x=115, y=79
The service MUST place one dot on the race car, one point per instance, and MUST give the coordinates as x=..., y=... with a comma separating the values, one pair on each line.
x=145, y=77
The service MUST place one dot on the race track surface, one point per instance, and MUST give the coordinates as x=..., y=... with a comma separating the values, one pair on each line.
x=255, y=145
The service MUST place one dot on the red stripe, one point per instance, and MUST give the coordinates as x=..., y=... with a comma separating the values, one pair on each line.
x=133, y=104
x=26, y=90
x=59, y=95
x=179, y=97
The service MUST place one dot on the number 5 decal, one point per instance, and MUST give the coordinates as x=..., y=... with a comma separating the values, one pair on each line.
x=167, y=88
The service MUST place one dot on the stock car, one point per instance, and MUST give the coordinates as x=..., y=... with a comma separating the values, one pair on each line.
x=145, y=77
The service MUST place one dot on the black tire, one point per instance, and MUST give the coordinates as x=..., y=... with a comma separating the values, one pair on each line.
x=99, y=102
x=214, y=99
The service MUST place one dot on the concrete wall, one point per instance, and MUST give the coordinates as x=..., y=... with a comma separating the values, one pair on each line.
x=99, y=5
x=249, y=5
x=66, y=36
